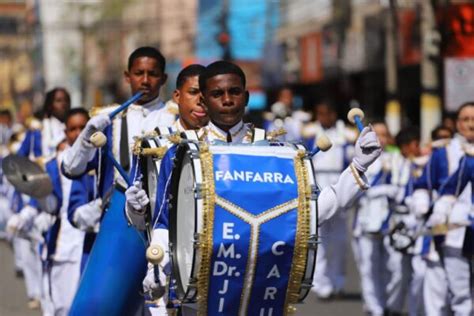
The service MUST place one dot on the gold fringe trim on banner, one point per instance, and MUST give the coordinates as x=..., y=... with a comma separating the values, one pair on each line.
x=298, y=265
x=206, y=237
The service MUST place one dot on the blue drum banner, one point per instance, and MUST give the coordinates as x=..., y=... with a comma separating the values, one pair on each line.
x=254, y=234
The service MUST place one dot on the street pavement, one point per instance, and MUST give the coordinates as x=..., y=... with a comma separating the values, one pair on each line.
x=13, y=296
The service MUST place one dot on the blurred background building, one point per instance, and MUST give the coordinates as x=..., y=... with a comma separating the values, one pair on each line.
x=408, y=61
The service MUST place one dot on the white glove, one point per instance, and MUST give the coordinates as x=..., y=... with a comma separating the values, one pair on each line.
x=43, y=222
x=459, y=212
x=150, y=286
x=95, y=124
x=441, y=210
x=23, y=220
x=367, y=149
x=87, y=216
x=419, y=203
x=136, y=200
x=49, y=204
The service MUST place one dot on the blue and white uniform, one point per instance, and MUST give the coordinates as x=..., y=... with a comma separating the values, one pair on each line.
x=456, y=263
x=329, y=277
x=83, y=157
x=63, y=247
x=333, y=197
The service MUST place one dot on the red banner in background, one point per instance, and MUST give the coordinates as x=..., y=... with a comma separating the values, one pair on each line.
x=311, y=70
x=409, y=37
x=457, y=27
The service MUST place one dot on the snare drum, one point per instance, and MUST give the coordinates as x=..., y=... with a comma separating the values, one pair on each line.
x=243, y=227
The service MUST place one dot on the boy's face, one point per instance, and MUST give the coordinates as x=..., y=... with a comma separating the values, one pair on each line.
x=225, y=98
x=191, y=111
x=382, y=133
x=145, y=76
x=5, y=120
x=74, y=125
x=60, y=105
x=411, y=150
x=465, y=123
x=325, y=115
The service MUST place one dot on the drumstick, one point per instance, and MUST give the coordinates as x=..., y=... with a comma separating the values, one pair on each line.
x=119, y=168
x=322, y=144
x=98, y=139
x=355, y=116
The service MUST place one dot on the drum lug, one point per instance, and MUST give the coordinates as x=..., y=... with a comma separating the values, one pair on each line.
x=198, y=191
x=307, y=284
x=313, y=242
x=192, y=282
x=194, y=154
x=196, y=241
x=314, y=192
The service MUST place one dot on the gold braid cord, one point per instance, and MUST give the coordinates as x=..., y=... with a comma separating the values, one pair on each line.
x=206, y=238
x=302, y=235
x=273, y=135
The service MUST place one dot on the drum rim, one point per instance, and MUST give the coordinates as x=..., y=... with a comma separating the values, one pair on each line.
x=189, y=294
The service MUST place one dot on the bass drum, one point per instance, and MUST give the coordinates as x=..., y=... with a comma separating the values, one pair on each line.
x=243, y=226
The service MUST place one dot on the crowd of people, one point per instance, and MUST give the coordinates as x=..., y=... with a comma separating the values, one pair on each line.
x=411, y=206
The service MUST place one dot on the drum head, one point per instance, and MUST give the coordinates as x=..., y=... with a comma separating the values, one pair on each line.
x=183, y=223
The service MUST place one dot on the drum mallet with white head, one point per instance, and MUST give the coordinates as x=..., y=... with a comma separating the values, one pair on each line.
x=322, y=144
x=98, y=139
x=154, y=255
x=355, y=116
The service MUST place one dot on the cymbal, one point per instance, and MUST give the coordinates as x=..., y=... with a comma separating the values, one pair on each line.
x=26, y=176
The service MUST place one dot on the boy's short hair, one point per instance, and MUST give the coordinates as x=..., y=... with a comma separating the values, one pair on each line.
x=76, y=111
x=437, y=130
x=5, y=112
x=147, y=51
x=187, y=72
x=220, y=67
x=407, y=135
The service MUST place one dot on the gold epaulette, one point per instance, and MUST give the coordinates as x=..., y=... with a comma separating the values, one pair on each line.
x=272, y=135
x=105, y=109
x=440, y=143
x=174, y=138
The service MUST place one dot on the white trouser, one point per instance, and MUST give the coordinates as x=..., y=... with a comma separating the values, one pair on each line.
x=435, y=290
x=17, y=243
x=373, y=275
x=458, y=273
x=329, y=276
x=415, y=296
x=31, y=266
x=399, y=266
x=60, y=282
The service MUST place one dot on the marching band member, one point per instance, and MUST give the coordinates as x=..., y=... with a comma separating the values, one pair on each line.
x=145, y=74
x=43, y=137
x=443, y=163
x=222, y=85
x=192, y=116
x=283, y=115
x=329, y=278
x=39, y=142
x=370, y=228
x=63, y=243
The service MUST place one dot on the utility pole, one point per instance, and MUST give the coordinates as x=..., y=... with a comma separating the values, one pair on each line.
x=430, y=115
x=392, y=106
